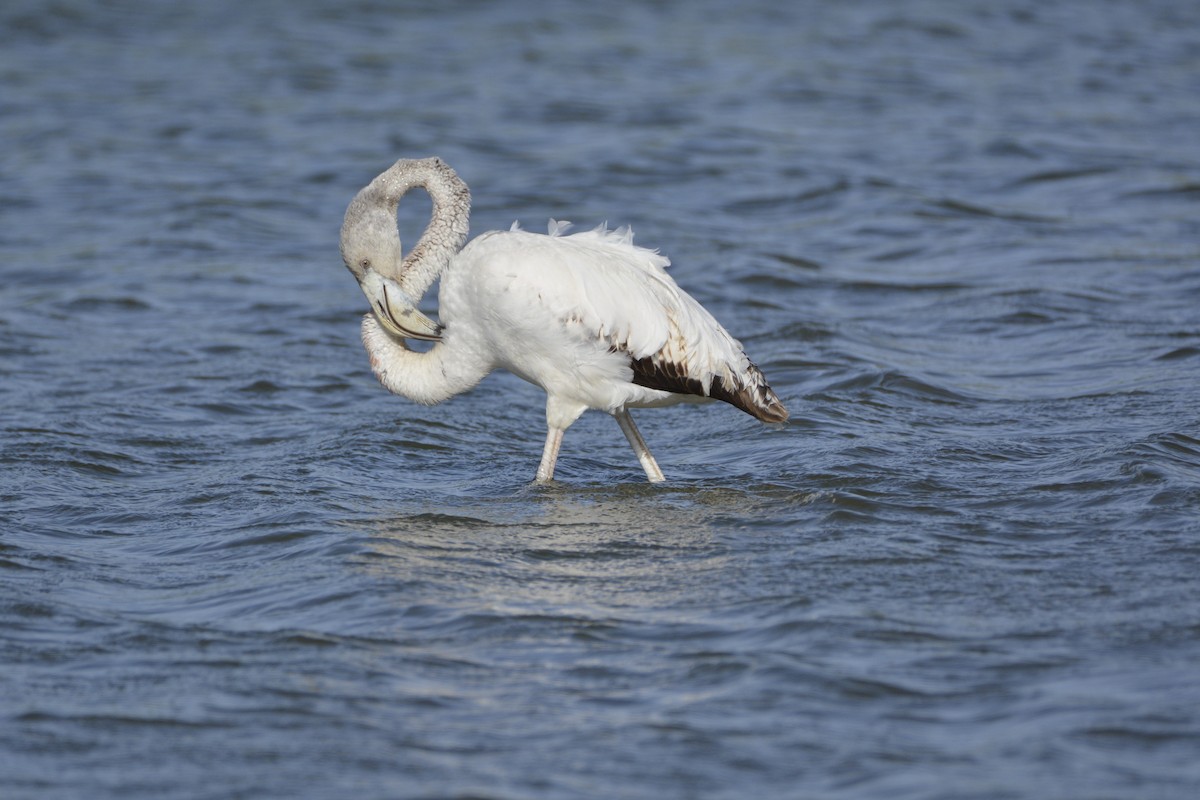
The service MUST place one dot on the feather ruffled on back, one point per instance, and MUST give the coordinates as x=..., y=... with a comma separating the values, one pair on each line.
x=607, y=289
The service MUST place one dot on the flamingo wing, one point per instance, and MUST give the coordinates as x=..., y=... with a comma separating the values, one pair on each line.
x=607, y=289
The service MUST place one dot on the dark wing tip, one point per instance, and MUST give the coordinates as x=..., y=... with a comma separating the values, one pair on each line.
x=772, y=410
x=755, y=397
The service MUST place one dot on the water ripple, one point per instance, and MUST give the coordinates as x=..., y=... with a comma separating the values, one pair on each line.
x=958, y=238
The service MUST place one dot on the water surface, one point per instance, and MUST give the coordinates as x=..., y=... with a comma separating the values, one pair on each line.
x=961, y=239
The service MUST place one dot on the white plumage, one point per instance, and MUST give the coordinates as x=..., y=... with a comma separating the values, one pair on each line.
x=591, y=318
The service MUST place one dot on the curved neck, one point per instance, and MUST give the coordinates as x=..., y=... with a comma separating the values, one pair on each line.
x=448, y=223
x=430, y=377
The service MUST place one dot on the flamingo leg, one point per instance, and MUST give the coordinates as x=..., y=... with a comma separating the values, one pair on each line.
x=653, y=473
x=545, y=472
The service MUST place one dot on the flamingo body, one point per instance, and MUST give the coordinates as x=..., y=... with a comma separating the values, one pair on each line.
x=589, y=317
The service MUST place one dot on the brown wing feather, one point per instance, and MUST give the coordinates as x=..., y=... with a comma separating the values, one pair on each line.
x=755, y=398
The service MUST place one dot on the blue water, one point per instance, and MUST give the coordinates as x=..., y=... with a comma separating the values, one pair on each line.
x=962, y=240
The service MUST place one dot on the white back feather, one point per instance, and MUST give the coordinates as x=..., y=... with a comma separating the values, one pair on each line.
x=600, y=284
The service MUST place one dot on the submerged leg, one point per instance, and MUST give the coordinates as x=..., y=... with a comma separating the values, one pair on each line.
x=653, y=473
x=545, y=471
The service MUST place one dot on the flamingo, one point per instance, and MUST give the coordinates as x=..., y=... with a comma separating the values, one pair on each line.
x=589, y=317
